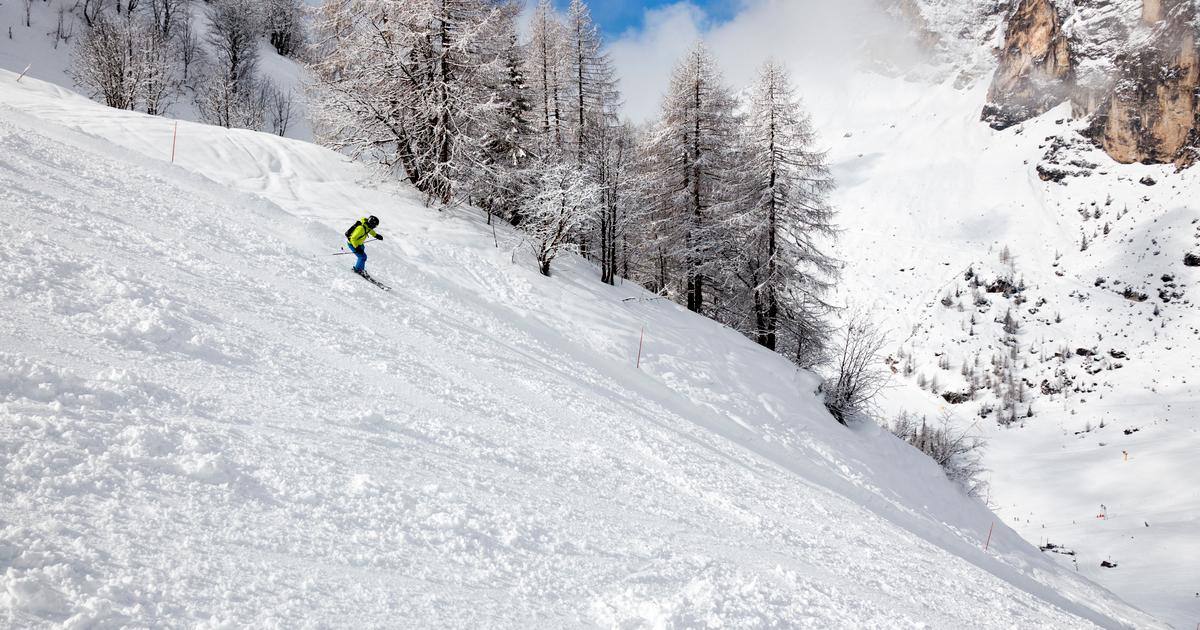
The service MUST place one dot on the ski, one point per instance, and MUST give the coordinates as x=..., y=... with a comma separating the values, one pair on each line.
x=373, y=281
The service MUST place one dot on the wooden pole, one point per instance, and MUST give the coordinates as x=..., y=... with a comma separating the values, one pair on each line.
x=989, y=538
x=641, y=341
x=174, y=137
x=23, y=72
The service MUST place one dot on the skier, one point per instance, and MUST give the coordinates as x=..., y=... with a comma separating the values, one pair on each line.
x=356, y=237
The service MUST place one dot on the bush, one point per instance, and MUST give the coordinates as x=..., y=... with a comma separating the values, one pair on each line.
x=958, y=453
x=858, y=374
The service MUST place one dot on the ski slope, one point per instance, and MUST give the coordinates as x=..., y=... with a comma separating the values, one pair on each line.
x=206, y=420
x=36, y=50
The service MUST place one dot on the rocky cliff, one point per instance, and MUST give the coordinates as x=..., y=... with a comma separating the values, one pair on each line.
x=1152, y=114
x=1130, y=67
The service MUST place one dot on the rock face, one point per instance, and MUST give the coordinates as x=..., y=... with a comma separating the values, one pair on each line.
x=1130, y=67
x=1153, y=113
x=1035, y=70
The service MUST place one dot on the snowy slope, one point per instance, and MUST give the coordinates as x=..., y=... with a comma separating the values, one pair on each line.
x=928, y=193
x=44, y=55
x=206, y=420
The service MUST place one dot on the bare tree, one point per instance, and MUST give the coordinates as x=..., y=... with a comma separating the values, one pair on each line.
x=231, y=95
x=104, y=64
x=278, y=107
x=158, y=85
x=166, y=13
x=958, y=452
x=92, y=10
x=283, y=22
x=63, y=31
x=187, y=44
x=858, y=374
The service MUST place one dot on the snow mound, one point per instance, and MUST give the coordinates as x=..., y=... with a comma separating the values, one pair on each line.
x=208, y=421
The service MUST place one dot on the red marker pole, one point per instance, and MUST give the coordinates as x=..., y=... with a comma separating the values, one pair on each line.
x=174, y=136
x=641, y=341
x=989, y=539
x=23, y=72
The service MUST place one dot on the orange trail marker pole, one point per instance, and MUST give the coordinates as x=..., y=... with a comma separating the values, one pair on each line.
x=641, y=341
x=174, y=136
x=23, y=72
x=989, y=539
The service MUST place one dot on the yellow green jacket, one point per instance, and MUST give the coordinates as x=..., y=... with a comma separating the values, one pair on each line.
x=360, y=233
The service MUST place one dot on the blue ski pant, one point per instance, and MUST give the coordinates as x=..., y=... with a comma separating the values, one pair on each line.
x=361, y=253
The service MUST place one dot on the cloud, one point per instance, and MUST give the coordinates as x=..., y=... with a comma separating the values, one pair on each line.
x=644, y=57
x=821, y=40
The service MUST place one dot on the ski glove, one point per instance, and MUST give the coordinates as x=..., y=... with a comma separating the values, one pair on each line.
x=379, y=237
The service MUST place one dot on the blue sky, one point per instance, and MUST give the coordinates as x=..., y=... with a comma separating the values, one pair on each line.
x=618, y=16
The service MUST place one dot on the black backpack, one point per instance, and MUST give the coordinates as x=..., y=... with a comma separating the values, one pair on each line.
x=352, y=228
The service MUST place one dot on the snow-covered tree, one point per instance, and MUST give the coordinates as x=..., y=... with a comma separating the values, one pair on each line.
x=590, y=82
x=691, y=162
x=618, y=177
x=283, y=23
x=158, y=83
x=565, y=202
x=547, y=50
x=124, y=62
x=409, y=82
x=105, y=63
x=510, y=143
x=167, y=14
x=784, y=221
x=231, y=96
x=187, y=43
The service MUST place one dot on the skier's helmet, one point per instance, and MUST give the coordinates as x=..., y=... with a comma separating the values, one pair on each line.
x=373, y=222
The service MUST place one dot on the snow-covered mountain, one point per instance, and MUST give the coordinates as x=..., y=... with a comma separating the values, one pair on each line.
x=950, y=226
x=206, y=420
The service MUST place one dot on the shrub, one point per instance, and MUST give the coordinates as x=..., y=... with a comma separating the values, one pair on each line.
x=958, y=453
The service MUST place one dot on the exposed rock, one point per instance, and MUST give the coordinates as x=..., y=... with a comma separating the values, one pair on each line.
x=1191, y=260
x=1153, y=113
x=1147, y=181
x=1153, y=11
x=956, y=398
x=1065, y=157
x=1131, y=67
x=1035, y=71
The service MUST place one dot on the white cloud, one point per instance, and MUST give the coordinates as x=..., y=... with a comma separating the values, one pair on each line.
x=820, y=39
x=644, y=57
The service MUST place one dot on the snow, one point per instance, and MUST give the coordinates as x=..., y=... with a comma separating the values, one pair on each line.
x=926, y=193
x=36, y=48
x=207, y=421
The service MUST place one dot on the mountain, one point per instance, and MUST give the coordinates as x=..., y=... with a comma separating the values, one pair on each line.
x=209, y=421
x=1128, y=67
x=951, y=227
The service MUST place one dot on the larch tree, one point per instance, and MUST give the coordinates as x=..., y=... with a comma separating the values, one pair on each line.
x=591, y=106
x=547, y=48
x=784, y=221
x=691, y=166
x=410, y=82
x=510, y=145
x=591, y=82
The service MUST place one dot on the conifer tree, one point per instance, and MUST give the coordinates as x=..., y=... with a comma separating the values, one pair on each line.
x=546, y=50
x=785, y=219
x=691, y=166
